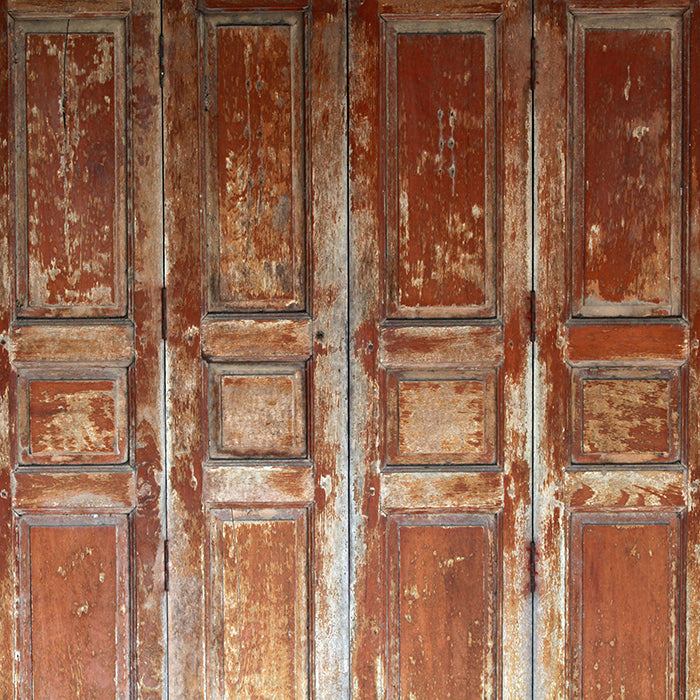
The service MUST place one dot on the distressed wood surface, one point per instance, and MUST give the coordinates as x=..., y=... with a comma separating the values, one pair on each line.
x=439, y=220
x=615, y=411
x=271, y=392
x=71, y=168
x=8, y=563
x=87, y=394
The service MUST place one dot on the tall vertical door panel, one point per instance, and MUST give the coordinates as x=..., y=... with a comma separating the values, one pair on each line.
x=256, y=370
x=439, y=354
x=618, y=287
x=82, y=609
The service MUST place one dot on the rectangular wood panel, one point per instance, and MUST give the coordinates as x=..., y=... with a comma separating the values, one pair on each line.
x=259, y=598
x=626, y=416
x=441, y=417
x=72, y=416
x=74, y=593
x=442, y=576
x=626, y=574
x=440, y=88
x=627, y=198
x=70, y=139
x=255, y=150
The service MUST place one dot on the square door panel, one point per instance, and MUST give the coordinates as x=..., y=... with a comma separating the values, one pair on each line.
x=257, y=411
x=441, y=417
x=626, y=416
x=72, y=416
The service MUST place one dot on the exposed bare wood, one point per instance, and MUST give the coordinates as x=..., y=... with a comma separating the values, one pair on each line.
x=109, y=345
x=286, y=339
x=409, y=346
x=258, y=484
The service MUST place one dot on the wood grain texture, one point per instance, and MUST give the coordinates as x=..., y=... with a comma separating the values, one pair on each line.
x=113, y=491
x=626, y=416
x=440, y=95
x=77, y=417
x=626, y=605
x=71, y=168
x=74, y=611
x=254, y=126
x=257, y=411
x=441, y=418
x=258, y=641
x=444, y=345
x=611, y=242
x=251, y=339
x=637, y=343
x=108, y=345
x=8, y=566
x=627, y=165
x=404, y=215
x=442, y=573
x=285, y=191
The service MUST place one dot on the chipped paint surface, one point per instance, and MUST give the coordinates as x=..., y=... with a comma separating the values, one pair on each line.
x=267, y=247
x=428, y=234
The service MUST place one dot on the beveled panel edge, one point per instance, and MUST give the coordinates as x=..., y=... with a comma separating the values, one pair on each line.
x=440, y=346
x=113, y=491
x=226, y=13
x=258, y=484
x=617, y=14
x=104, y=344
x=477, y=491
x=253, y=339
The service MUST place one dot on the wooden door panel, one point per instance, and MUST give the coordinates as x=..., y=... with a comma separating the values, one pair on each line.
x=84, y=605
x=257, y=348
x=438, y=290
x=616, y=440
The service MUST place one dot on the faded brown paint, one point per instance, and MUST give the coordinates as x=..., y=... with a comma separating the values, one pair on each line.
x=75, y=402
x=261, y=415
x=271, y=155
x=622, y=565
x=259, y=641
x=255, y=125
x=609, y=101
x=108, y=491
x=401, y=71
x=442, y=572
x=627, y=205
x=251, y=339
x=107, y=345
x=75, y=622
x=71, y=182
x=440, y=139
x=625, y=416
x=439, y=418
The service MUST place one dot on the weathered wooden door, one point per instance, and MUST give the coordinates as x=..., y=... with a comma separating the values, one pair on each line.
x=376, y=445
x=617, y=148
x=440, y=348
x=82, y=610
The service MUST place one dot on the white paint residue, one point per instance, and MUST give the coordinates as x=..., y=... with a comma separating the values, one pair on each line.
x=628, y=85
x=639, y=132
x=477, y=212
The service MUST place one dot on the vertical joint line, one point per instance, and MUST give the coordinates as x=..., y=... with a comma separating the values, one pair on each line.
x=533, y=63
x=161, y=60
x=166, y=565
x=533, y=566
x=533, y=316
x=164, y=313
